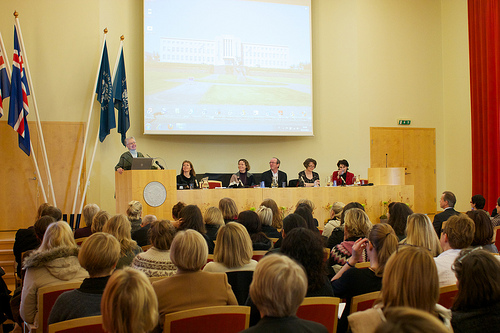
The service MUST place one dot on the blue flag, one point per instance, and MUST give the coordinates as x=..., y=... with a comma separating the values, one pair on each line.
x=120, y=95
x=4, y=81
x=105, y=97
x=19, y=91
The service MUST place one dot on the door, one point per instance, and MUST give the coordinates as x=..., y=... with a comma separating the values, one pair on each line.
x=415, y=150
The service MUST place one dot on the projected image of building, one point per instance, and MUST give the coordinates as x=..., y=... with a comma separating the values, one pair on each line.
x=224, y=51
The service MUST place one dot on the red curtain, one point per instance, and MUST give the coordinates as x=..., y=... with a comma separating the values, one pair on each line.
x=484, y=53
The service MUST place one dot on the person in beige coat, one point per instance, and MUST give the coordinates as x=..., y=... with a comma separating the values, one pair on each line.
x=190, y=287
x=55, y=262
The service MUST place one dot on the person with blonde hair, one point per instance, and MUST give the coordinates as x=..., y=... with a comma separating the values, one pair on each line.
x=420, y=232
x=134, y=212
x=119, y=226
x=129, y=303
x=100, y=220
x=190, y=287
x=356, y=225
x=402, y=319
x=266, y=218
x=98, y=255
x=233, y=250
x=213, y=219
x=276, y=276
x=54, y=262
x=350, y=281
x=229, y=210
x=88, y=213
x=156, y=260
x=277, y=214
x=410, y=279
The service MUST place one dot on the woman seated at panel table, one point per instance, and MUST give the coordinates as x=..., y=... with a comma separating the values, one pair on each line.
x=242, y=178
x=342, y=176
x=187, y=177
x=308, y=177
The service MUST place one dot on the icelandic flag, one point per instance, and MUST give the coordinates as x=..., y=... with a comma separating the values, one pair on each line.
x=4, y=81
x=105, y=97
x=120, y=95
x=19, y=91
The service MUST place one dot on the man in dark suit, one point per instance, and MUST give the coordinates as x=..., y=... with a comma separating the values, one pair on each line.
x=280, y=176
x=447, y=202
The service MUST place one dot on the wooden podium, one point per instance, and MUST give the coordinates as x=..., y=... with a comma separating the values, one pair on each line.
x=386, y=176
x=155, y=189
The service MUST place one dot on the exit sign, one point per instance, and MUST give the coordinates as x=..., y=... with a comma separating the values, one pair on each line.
x=404, y=122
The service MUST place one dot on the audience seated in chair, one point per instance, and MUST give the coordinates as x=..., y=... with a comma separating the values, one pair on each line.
x=251, y=221
x=190, y=287
x=156, y=262
x=410, y=279
x=119, y=226
x=99, y=221
x=141, y=236
x=398, y=217
x=277, y=214
x=408, y=320
x=88, y=213
x=275, y=276
x=266, y=219
x=213, y=219
x=337, y=235
x=483, y=230
x=420, y=232
x=99, y=256
x=291, y=221
x=191, y=218
x=229, y=210
x=129, y=303
x=334, y=222
x=134, y=212
x=477, y=303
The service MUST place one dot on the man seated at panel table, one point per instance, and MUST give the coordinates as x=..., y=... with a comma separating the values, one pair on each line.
x=279, y=176
x=125, y=162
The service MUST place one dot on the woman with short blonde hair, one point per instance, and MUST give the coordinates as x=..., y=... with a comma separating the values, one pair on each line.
x=119, y=226
x=134, y=212
x=229, y=210
x=277, y=214
x=100, y=220
x=233, y=250
x=213, y=220
x=129, y=303
x=266, y=218
x=420, y=232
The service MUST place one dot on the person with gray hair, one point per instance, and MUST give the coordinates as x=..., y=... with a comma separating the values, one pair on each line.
x=266, y=218
x=141, y=235
x=275, y=276
x=125, y=162
x=88, y=214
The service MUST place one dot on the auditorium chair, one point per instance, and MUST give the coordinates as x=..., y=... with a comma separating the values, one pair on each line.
x=257, y=255
x=79, y=241
x=79, y=325
x=240, y=283
x=214, y=184
x=323, y=310
x=212, y=319
x=447, y=295
x=364, y=301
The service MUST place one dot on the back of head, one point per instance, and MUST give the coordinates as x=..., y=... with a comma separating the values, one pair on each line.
x=336, y=209
x=57, y=234
x=265, y=215
x=213, y=216
x=478, y=275
x=41, y=208
x=350, y=205
x=119, y=226
x=134, y=209
x=52, y=211
x=234, y=246
x=250, y=220
x=398, y=215
x=356, y=223
x=228, y=208
x=176, y=209
x=99, y=254
x=483, y=228
x=161, y=234
x=148, y=219
x=408, y=320
x=41, y=225
x=306, y=247
x=306, y=202
x=88, y=213
x=450, y=198
x=99, y=221
x=292, y=221
x=478, y=201
x=385, y=241
x=189, y=250
x=279, y=286
x=460, y=231
x=129, y=303
x=191, y=218
x=277, y=215
x=411, y=279
x=305, y=212
x=420, y=232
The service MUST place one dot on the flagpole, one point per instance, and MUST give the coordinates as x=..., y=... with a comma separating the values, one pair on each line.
x=39, y=124
x=38, y=173
x=88, y=127
x=87, y=182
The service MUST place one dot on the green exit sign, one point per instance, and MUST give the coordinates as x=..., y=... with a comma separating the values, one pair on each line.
x=404, y=122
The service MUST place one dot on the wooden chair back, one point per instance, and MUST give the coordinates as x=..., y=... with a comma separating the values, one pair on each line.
x=214, y=183
x=447, y=295
x=46, y=298
x=323, y=310
x=257, y=255
x=364, y=302
x=213, y=319
x=79, y=241
x=79, y=325
x=362, y=264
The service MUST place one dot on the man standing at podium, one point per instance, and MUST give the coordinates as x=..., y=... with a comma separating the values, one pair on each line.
x=125, y=162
